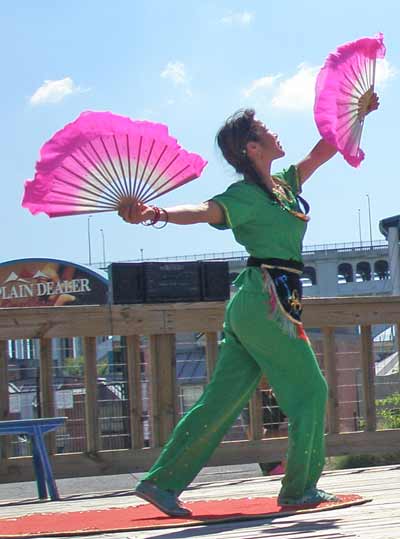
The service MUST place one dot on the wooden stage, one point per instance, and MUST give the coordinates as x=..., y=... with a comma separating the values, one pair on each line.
x=378, y=519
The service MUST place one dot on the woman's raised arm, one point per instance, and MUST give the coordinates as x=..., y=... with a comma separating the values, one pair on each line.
x=320, y=154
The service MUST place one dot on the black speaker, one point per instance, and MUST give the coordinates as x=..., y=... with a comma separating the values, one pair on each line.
x=215, y=281
x=126, y=283
x=168, y=282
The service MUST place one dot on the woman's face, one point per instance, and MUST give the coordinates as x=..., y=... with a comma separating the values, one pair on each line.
x=268, y=142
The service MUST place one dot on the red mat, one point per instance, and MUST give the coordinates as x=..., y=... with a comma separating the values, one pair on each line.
x=145, y=517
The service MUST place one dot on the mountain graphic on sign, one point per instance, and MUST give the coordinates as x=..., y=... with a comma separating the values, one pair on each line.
x=14, y=277
x=40, y=274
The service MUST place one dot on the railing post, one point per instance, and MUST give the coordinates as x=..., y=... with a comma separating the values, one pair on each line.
x=398, y=344
x=47, y=405
x=211, y=352
x=4, y=403
x=368, y=377
x=332, y=379
x=91, y=402
x=256, y=424
x=162, y=387
x=134, y=391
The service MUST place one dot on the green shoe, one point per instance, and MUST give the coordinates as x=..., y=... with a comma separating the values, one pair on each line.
x=165, y=500
x=311, y=496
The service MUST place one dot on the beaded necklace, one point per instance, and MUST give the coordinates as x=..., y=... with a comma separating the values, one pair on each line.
x=283, y=195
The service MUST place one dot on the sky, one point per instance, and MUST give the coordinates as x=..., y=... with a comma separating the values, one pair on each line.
x=189, y=65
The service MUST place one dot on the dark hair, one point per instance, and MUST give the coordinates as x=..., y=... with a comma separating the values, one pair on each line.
x=238, y=130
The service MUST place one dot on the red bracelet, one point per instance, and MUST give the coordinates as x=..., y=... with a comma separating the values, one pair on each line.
x=166, y=219
x=155, y=218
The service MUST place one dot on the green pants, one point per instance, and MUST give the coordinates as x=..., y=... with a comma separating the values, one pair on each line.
x=254, y=344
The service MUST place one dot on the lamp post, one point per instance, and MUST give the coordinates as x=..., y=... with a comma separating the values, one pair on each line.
x=359, y=226
x=89, y=242
x=104, y=248
x=370, y=225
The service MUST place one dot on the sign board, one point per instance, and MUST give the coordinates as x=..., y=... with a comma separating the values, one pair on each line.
x=64, y=399
x=45, y=282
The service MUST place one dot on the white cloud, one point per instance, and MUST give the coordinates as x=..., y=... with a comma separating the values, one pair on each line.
x=242, y=18
x=175, y=72
x=297, y=92
x=54, y=91
x=384, y=72
x=259, y=85
x=294, y=92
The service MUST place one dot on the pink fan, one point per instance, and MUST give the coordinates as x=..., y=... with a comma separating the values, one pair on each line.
x=344, y=89
x=102, y=160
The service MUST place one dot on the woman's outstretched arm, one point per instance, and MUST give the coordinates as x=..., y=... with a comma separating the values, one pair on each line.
x=188, y=214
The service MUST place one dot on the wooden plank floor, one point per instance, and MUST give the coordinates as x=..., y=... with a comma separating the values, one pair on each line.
x=378, y=519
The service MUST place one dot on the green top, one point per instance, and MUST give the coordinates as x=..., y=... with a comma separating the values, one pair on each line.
x=263, y=226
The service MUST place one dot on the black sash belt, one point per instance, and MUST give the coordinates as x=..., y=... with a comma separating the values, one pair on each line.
x=286, y=277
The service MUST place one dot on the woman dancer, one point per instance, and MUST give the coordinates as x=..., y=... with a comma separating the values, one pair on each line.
x=263, y=333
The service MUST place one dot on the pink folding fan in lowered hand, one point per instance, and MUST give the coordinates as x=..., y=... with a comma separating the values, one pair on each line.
x=102, y=160
x=344, y=89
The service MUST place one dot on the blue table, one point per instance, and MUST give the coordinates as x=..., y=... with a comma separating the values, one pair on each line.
x=35, y=429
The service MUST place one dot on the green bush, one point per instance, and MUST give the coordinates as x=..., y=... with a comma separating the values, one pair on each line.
x=388, y=412
x=362, y=461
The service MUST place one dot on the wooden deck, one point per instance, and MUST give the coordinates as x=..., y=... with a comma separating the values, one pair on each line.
x=378, y=519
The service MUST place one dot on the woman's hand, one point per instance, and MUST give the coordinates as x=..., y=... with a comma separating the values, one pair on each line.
x=373, y=103
x=135, y=213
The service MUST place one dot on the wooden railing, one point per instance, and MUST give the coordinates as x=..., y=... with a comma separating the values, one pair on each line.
x=161, y=323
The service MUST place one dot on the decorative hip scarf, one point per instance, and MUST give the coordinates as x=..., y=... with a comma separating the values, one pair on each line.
x=283, y=284
x=289, y=290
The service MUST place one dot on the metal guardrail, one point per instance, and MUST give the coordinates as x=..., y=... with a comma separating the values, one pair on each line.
x=349, y=246
x=235, y=255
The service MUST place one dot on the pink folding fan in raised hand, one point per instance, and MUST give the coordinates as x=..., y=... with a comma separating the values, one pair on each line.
x=344, y=89
x=102, y=160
